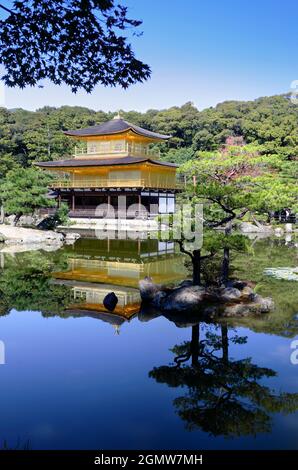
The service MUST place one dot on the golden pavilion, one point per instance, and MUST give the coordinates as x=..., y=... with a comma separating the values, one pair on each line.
x=114, y=171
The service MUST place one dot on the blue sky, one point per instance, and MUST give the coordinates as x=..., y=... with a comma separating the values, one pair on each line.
x=200, y=51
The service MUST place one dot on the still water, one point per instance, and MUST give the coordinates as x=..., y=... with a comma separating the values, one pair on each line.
x=78, y=377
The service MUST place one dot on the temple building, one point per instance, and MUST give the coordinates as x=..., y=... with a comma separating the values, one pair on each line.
x=114, y=171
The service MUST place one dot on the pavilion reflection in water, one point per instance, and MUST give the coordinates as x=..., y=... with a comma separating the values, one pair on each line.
x=98, y=267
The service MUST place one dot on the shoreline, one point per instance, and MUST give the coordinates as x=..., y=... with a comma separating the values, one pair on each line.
x=18, y=239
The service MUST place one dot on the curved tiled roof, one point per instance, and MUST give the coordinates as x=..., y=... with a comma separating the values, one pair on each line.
x=116, y=126
x=81, y=162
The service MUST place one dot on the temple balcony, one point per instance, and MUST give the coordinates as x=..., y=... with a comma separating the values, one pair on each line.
x=116, y=149
x=92, y=183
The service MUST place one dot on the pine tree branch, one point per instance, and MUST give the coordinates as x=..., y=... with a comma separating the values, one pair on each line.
x=183, y=250
x=6, y=9
x=226, y=220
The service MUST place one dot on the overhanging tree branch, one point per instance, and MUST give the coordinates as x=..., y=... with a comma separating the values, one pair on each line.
x=40, y=40
x=226, y=220
x=6, y=9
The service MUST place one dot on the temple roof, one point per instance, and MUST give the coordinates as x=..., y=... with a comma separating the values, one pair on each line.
x=83, y=162
x=115, y=126
x=113, y=319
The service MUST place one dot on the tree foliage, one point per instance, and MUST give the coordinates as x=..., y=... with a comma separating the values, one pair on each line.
x=29, y=136
x=239, y=180
x=79, y=43
x=25, y=190
x=250, y=162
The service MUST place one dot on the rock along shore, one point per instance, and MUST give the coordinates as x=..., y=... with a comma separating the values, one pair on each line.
x=13, y=239
x=236, y=299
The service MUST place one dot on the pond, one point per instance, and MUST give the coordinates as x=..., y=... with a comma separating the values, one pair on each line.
x=75, y=376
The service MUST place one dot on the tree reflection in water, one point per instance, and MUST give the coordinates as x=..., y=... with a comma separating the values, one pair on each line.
x=26, y=284
x=223, y=397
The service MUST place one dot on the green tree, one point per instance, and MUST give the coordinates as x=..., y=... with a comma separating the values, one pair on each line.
x=179, y=156
x=23, y=191
x=6, y=164
x=268, y=125
x=234, y=183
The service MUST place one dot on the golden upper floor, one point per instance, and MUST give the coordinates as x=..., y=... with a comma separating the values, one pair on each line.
x=114, y=154
x=115, y=138
x=114, y=148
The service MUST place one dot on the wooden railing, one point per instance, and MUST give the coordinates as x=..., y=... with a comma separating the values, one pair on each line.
x=114, y=214
x=110, y=183
x=116, y=149
x=47, y=211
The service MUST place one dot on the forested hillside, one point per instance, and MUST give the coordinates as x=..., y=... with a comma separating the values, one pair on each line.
x=271, y=123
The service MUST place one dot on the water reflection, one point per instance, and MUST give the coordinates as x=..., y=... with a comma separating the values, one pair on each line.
x=220, y=395
x=26, y=283
x=75, y=280
x=98, y=267
x=214, y=387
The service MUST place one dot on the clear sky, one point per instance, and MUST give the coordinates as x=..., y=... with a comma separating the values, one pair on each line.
x=202, y=51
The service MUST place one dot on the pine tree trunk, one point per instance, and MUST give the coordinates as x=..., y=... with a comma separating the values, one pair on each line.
x=225, y=269
x=196, y=268
x=195, y=339
x=225, y=343
x=16, y=219
x=225, y=265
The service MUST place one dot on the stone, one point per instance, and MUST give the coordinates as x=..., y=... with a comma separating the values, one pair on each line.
x=2, y=238
x=247, y=293
x=186, y=283
x=236, y=310
x=229, y=294
x=110, y=301
x=248, y=227
x=148, y=289
x=22, y=248
x=71, y=238
x=236, y=283
x=27, y=236
x=278, y=232
x=23, y=221
x=184, y=298
x=47, y=223
x=259, y=306
x=148, y=312
x=263, y=304
x=9, y=220
x=159, y=299
x=211, y=311
x=212, y=294
x=183, y=319
x=187, y=303
x=26, y=220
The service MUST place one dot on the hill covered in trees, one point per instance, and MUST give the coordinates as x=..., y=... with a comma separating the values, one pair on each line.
x=270, y=123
